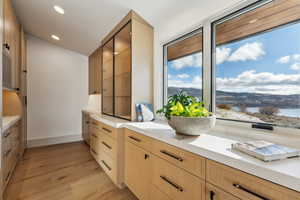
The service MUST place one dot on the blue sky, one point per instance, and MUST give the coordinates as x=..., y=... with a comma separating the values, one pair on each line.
x=265, y=63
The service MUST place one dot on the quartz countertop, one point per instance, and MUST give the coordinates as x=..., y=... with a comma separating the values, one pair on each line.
x=9, y=121
x=216, y=146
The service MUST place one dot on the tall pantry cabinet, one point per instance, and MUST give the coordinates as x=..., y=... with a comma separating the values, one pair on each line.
x=127, y=67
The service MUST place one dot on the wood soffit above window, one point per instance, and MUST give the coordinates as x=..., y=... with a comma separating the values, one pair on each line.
x=271, y=15
x=185, y=47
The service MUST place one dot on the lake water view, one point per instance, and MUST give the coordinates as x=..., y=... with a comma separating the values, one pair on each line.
x=289, y=112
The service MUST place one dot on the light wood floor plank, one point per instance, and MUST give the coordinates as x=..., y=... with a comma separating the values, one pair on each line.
x=62, y=172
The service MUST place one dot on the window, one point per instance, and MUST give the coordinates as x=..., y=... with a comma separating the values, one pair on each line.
x=256, y=64
x=183, y=65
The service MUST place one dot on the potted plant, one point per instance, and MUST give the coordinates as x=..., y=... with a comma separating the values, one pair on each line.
x=187, y=115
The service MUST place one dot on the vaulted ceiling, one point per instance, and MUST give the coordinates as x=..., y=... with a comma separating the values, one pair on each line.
x=86, y=22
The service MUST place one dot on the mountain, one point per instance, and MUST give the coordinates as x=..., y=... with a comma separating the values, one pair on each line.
x=247, y=99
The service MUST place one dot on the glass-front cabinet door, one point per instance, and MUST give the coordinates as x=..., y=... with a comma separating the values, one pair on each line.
x=122, y=73
x=108, y=78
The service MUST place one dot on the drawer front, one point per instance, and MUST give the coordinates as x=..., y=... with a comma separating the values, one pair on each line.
x=95, y=142
x=107, y=145
x=156, y=194
x=246, y=186
x=108, y=166
x=183, y=159
x=139, y=140
x=214, y=193
x=110, y=131
x=175, y=182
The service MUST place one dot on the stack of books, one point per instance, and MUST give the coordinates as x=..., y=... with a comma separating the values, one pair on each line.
x=266, y=151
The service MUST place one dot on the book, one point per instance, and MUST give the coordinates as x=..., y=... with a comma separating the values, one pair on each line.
x=266, y=151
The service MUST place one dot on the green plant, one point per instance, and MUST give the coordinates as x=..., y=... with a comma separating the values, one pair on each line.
x=184, y=105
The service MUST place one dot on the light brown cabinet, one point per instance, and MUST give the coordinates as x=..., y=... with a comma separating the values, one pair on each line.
x=156, y=170
x=12, y=144
x=107, y=147
x=127, y=59
x=138, y=168
x=12, y=48
x=95, y=63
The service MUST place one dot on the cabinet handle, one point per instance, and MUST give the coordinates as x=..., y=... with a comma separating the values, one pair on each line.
x=106, y=165
x=7, y=134
x=95, y=136
x=87, y=122
x=7, y=176
x=105, y=129
x=172, y=155
x=94, y=151
x=179, y=188
x=104, y=143
x=134, y=138
x=7, y=153
x=238, y=186
x=212, y=195
x=146, y=156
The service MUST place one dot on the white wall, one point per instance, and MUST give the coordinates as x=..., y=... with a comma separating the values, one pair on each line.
x=57, y=90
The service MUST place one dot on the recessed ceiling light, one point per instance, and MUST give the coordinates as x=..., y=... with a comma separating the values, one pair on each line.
x=55, y=37
x=59, y=9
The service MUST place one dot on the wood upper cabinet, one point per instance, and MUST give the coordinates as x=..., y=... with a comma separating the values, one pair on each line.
x=127, y=67
x=12, y=47
x=95, y=63
x=138, y=170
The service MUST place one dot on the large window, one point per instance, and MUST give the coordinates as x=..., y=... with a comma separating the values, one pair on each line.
x=256, y=64
x=183, y=65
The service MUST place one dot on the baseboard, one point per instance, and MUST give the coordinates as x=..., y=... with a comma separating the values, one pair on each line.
x=53, y=140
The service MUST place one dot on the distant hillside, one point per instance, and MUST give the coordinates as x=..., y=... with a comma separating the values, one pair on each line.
x=247, y=99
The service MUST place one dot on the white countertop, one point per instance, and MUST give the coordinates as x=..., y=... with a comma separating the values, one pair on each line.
x=9, y=121
x=217, y=146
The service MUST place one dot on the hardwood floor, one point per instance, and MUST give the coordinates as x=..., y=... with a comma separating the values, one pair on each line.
x=62, y=172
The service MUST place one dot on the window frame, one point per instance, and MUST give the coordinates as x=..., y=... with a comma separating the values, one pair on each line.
x=213, y=24
x=165, y=60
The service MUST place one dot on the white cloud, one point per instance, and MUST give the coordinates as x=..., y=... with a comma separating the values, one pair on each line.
x=222, y=54
x=196, y=82
x=249, y=51
x=169, y=76
x=194, y=60
x=284, y=59
x=295, y=66
x=296, y=57
x=265, y=82
x=183, y=76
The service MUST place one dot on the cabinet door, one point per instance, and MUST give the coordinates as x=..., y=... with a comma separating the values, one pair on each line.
x=138, y=170
x=122, y=73
x=107, y=79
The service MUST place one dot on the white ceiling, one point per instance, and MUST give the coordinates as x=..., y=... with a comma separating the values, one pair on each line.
x=87, y=21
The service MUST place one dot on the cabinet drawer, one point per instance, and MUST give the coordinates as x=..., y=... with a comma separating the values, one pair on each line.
x=107, y=145
x=139, y=140
x=110, y=131
x=175, y=182
x=183, y=159
x=246, y=186
x=156, y=194
x=108, y=165
x=214, y=193
x=95, y=143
